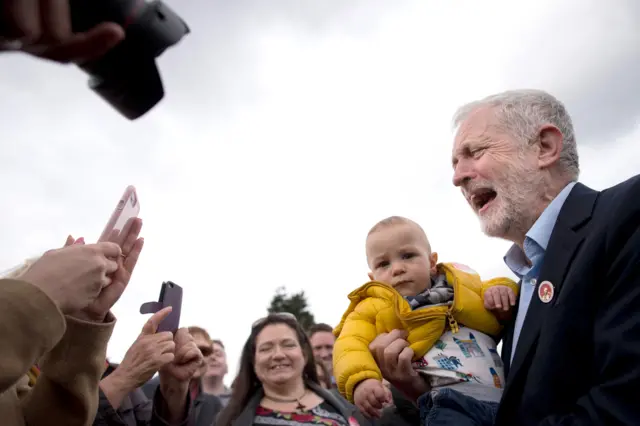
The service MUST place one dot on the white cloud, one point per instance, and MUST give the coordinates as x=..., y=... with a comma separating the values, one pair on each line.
x=286, y=133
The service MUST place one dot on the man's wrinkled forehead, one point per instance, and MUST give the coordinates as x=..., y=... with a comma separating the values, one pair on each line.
x=474, y=128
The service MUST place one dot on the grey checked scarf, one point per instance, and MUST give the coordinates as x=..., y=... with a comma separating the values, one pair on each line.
x=440, y=292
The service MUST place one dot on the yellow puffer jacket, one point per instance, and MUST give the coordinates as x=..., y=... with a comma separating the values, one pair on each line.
x=377, y=308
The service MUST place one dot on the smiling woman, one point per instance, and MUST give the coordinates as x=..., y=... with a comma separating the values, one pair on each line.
x=278, y=381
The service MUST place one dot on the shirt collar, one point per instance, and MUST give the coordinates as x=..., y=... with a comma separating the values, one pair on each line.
x=537, y=238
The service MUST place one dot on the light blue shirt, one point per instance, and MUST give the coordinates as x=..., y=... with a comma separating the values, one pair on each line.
x=526, y=264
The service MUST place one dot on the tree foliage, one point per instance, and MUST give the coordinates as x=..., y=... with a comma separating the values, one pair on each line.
x=295, y=303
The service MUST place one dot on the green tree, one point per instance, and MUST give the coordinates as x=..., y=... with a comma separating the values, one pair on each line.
x=295, y=303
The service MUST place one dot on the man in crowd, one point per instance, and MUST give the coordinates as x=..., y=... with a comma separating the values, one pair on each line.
x=322, y=341
x=217, y=369
x=571, y=355
x=203, y=342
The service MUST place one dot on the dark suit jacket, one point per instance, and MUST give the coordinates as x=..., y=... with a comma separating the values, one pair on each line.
x=578, y=357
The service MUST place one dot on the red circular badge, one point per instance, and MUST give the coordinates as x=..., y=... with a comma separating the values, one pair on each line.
x=545, y=292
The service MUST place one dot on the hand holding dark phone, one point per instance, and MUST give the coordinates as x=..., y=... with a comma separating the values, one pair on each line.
x=170, y=295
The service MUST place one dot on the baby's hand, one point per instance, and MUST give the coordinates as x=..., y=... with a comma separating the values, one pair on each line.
x=370, y=397
x=499, y=299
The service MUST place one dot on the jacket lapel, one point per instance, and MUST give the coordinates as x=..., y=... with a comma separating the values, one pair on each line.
x=566, y=238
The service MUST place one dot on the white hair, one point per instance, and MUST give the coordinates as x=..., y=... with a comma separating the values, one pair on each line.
x=521, y=113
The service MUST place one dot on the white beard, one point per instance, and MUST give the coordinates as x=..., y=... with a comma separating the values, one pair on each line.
x=510, y=212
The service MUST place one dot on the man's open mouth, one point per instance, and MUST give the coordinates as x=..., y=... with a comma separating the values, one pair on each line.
x=481, y=198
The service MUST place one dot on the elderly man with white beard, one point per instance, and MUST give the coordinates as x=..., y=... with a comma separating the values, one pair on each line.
x=572, y=354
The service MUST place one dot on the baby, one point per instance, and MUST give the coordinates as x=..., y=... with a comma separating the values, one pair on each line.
x=445, y=308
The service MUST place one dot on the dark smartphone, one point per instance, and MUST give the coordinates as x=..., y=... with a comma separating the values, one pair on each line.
x=170, y=295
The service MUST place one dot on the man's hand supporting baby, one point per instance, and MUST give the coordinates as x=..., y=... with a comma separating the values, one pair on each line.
x=393, y=355
x=500, y=301
x=371, y=396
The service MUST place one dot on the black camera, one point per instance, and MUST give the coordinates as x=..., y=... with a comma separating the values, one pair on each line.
x=127, y=76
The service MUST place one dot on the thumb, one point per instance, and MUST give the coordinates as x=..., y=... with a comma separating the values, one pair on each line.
x=151, y=326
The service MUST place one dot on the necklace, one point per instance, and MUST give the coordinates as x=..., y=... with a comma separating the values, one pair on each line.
x=299, y=407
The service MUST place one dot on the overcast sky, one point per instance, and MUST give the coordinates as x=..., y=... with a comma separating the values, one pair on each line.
x=289, y=128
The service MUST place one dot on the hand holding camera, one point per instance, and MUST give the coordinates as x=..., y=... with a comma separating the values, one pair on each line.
x=43, y=28
x=116, y=42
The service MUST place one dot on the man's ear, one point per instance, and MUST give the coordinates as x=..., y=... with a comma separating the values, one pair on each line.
x=550, y=143
x=370, y=274
x=433, y=259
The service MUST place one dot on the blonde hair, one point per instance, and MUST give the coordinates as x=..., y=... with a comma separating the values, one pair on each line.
x=19, y=270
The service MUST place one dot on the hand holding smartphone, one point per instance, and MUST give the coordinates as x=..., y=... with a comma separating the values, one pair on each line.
x=121, y=219
x=170, y=295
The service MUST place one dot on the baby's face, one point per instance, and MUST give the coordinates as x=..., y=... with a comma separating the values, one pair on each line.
x=399, y=256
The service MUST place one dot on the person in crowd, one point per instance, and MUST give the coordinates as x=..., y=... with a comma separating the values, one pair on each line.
x=62, y=301
x=203, y=341
x=122, y=401
x=441, y=305
x=217, y=369
x=205, y=406
x=570, y=354
x=322, y=341
x=278, y=382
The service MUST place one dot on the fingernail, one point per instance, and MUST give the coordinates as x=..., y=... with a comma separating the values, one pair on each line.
x=80, y=240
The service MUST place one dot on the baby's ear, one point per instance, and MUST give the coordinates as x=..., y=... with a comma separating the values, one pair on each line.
x=370, y=274
x=433, y=259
